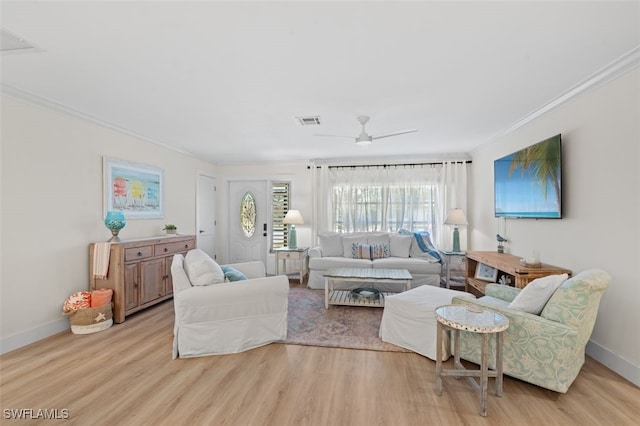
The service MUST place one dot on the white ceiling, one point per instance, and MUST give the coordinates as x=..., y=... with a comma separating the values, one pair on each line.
x=224, y=81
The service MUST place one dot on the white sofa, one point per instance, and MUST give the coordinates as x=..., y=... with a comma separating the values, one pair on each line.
x=336, y=250
x=228, y=317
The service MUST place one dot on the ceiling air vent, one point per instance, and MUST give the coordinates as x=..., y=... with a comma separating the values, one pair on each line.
x=309, y=121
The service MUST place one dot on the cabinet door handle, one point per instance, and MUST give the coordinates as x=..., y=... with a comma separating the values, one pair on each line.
x=166, y=249
x=139, y=253
x=186, y=246
x=165, y=277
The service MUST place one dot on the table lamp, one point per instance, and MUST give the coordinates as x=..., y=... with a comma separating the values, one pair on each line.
x=456, y=217
x=293, y=218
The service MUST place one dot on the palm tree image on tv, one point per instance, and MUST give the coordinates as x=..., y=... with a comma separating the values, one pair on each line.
x=528, y=182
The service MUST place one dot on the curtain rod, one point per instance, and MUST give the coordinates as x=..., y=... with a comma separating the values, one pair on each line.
x=391, y=165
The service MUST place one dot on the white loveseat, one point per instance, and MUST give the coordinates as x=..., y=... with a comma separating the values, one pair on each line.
x=339, y=250
x=228, y=317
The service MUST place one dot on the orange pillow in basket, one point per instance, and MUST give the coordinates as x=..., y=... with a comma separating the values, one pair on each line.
x=78, y=300
x=101, y=297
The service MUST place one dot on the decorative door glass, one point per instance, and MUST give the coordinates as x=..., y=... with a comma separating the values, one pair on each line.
x=248, y=214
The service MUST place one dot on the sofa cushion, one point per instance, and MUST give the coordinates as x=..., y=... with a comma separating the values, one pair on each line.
x=535, y=295
x=347, y=244
x=202, y=269
x=494, y=301
x=325, y=263
x=422, y=246
x=399, y=245
x=378, y=238
x=331, y=243
x=415, y=266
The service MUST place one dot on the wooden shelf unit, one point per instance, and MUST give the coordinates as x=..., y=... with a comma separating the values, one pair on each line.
x=140, y=272
x=507, y=265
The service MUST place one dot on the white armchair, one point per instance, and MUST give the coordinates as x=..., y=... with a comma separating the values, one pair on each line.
x=228, y=317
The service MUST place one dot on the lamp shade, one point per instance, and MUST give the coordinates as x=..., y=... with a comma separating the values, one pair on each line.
x=456, y=217
x=293, y=217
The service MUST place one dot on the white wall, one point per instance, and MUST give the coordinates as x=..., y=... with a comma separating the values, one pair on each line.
x=52, y=208
x=301, y=199
x=601, y=208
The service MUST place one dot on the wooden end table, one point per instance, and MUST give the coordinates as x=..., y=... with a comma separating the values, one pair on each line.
x=300, y=254
x=483, y=321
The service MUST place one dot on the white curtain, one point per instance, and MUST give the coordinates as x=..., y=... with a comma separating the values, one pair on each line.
x=321, y=200
x=452, y=193
x=386, y=198
x=382, y=198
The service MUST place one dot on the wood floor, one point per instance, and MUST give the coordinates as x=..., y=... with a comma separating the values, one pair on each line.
x=125, y=376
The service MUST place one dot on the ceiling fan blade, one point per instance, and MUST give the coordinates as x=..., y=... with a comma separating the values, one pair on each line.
x=400, y=132
x=334, y=136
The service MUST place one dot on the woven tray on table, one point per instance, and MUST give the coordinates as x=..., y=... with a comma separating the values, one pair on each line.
x=91, y=320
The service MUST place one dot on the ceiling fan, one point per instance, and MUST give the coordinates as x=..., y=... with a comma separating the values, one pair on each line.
x=364, y=138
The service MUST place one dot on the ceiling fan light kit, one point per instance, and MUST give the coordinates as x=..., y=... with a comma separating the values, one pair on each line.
x=364, y=139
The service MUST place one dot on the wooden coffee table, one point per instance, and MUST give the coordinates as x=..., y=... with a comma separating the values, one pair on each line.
x=361, y=275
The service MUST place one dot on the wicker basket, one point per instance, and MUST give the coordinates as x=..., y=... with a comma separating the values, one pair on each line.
x=91, y=320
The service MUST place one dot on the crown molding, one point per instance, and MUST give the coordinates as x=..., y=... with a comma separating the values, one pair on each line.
x=48, y=103
x=613, y=70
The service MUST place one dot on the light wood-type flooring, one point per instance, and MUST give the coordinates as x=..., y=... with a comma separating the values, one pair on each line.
x=125, y=376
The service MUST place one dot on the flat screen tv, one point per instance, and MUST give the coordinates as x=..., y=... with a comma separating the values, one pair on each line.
x=528, y=183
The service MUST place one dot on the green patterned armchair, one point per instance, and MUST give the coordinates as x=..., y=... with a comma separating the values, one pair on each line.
x=546, y=350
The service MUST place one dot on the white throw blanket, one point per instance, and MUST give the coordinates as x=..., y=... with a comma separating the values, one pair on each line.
x=101, y=252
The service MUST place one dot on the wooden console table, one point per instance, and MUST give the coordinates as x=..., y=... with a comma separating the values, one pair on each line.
x=508, y=266
x=140, y=272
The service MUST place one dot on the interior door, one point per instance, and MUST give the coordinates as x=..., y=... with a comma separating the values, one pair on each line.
x=206, y=214
x=248, y=216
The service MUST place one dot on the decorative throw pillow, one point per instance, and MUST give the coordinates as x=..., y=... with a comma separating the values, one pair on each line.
x=537, y=293
x=202, y=269
x=379, y=251
x=78, y=300
x=399, y=245
x=349, y=240
x=232, y=274
x=360, y=251
x=330, y=244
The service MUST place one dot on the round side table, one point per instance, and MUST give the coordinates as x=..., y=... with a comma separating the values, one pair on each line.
x=476, y=320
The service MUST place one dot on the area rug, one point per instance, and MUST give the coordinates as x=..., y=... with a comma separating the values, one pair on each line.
x=353, y=327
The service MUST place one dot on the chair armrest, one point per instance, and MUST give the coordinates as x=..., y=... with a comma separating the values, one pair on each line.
x=315, y=252
x=232, y=300
x=519, y=320
x=250, y=269
x=503, y=292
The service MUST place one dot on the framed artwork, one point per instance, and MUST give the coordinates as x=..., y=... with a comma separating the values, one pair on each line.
x=134, y=189
x=486, y=273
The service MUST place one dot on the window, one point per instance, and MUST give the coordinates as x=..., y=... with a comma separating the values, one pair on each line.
x=385, y=208
x=280, y=207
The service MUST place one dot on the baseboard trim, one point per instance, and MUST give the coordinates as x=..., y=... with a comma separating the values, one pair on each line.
x=16, y=341
x=614, y=362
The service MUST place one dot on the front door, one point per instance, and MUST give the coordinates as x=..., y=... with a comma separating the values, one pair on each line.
x=248, y=216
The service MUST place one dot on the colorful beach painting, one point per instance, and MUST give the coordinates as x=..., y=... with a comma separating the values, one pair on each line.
x=135, y=189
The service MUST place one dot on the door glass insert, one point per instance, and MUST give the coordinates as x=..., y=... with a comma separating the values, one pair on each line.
x=248, y=214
